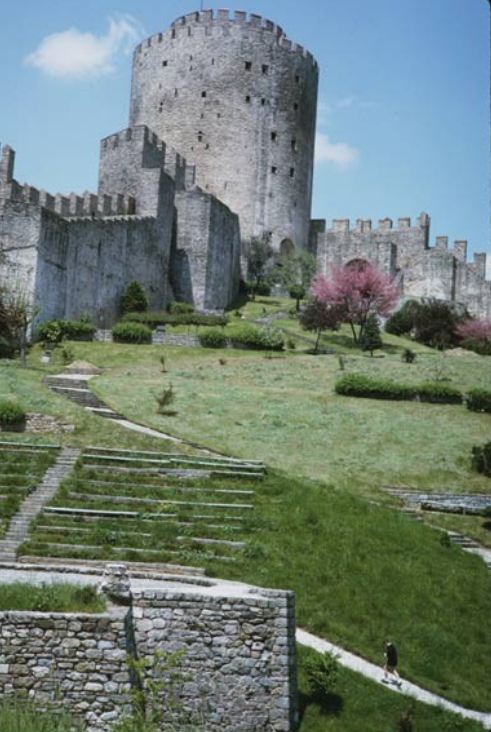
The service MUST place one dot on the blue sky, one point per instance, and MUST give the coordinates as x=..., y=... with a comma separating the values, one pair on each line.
x=404, y=98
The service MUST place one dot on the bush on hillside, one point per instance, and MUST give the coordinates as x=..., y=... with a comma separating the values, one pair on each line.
x=132, y=333
x=402, y=321
x=475, y=335
x=481, y=458
x=430, y=321
x=408, y=355
x=322, y=672
x=11, y=413
x=179, y=308
x=364, y=386
x=478, y=400
x=370, y=338
x=213, y=338
x=261, y=339
x=162, y=317
x=134, y=299
x=54, y=331
x=261, y=288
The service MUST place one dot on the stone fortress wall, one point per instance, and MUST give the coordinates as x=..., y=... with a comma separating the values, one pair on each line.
x=75, y=255
x=238, y=664
x=239, y=99
x=404, y=252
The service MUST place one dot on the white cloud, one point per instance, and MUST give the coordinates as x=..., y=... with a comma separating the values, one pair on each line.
x=339, y=153
x=72, y=54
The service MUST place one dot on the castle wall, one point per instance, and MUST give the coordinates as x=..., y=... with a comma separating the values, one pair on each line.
x=236, y=97
x=206, y=257
x=404, y=252
x=20, y=225
x=104, y=256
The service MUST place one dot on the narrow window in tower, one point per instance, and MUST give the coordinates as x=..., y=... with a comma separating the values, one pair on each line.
x=274, y=136
x=191, y=58
x=164, y=63
x=202, y=116
x=292, y=172
x=294, y=145
x=190, y=68
x=274, y=170
x=207, y=146
x=295, y=106
x=265, y=69
x=212, y=61
x=176, y=92
x=248, y=65
x=189, y=31
x=203, y=94
x=263, y=102
x=173, y=34
x=297, y=79
x=160, y=37
x=219, y=115
x=200, y=136
x=248, y=99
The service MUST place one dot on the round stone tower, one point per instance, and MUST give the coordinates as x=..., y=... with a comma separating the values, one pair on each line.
x=238, y=99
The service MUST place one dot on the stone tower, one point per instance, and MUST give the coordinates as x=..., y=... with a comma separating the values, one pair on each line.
x=238, y=99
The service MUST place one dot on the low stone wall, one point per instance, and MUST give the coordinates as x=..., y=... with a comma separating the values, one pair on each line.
x=237, y=672
x=159, y=338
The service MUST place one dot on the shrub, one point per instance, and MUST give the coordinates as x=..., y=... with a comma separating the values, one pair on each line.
x=213, y=338
x=402, y=321
x=370, y=338
x=154, y=318
x=179, y=308
x=52, y=332
x=439, y=393
x=11, y=413
x=483, y=348
x=261, y=339
x=134, y=299
x=481, y=458
x=476, y=335
x=322, y=671
x=165, y=399
x=408, y=356
x=365, y=386
x=132, y=333
x=478, y=400
x=436, y=321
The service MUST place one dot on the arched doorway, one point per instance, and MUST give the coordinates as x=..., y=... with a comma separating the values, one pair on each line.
x=287, y=247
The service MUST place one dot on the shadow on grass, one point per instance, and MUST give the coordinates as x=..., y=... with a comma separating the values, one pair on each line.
x=328, y=704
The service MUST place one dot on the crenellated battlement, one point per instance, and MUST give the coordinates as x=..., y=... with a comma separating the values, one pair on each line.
x=365, y=225
x=184, y=25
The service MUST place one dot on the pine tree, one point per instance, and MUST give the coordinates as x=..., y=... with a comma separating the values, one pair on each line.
x=370, y=339
x=134, y=299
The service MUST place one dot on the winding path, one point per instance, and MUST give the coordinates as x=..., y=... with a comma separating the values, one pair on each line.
x=375, y=673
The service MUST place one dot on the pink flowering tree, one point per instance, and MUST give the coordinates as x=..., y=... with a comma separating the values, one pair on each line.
x=477, y=331
x=360, y=291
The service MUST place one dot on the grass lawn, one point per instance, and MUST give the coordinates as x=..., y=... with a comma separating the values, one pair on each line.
x=59, y=598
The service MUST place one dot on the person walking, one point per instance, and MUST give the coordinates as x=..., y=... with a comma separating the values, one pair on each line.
x=390, y=666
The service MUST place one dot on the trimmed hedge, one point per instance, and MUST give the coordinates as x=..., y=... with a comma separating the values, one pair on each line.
x=260, y=339
x=178, y=308
x=365, y=386
x=481, y=458
x=11, y=413
x=478, y=400
x=154, y=318
x=132, y=333
x=213, y=338
x=53, y=331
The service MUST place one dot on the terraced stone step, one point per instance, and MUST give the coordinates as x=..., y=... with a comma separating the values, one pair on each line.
x=168, y=455
x=108, y=513
x=121, y=549
x=27, y=446
x=154, y=502
x=177, y=488
x=182, y=472
x=177, y=572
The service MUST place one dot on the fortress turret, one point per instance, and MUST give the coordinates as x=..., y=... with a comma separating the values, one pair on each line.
x=238, y=99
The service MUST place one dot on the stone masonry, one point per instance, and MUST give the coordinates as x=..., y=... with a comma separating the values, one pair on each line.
x=404, y=252
x=237, y=669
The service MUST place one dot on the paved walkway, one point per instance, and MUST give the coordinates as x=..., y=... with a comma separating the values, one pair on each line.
x=34, y=503
x=371, y=671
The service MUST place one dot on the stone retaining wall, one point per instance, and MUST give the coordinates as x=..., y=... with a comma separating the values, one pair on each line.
x=159, y=338
x=237, y=670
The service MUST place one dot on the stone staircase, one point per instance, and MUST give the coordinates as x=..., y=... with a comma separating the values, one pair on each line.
x=76, y=388
x=31, y=507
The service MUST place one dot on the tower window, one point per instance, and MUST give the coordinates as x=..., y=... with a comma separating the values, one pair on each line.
x=295, y=106
x=200, y=136
x=248, y=65
x=164, y=63
x=265, y=69
x=202, y=116
x=203, y=94
x=176, y=92
x=189, y=31
x=274, y=136
x=263, y=102
x=191, y=58
x=218, y=115
x=292, y=172
x=207, y=146
x=173, y=34
x=274, y=170
x=212, y=61
x=294, y=145
x=297, y=79
x=248, y=99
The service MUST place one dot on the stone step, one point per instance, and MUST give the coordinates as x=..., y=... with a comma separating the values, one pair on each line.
x=169, y=455
x=151, y=501
x=108, y=513
x=136, y=550
x=177, y=488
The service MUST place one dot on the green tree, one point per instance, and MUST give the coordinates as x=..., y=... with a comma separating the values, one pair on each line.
x=134, y=299
x=295, y=269
x=17, y=314
x=258, y=257
x=370, y=339
x=318, y=317
x=297, y=293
